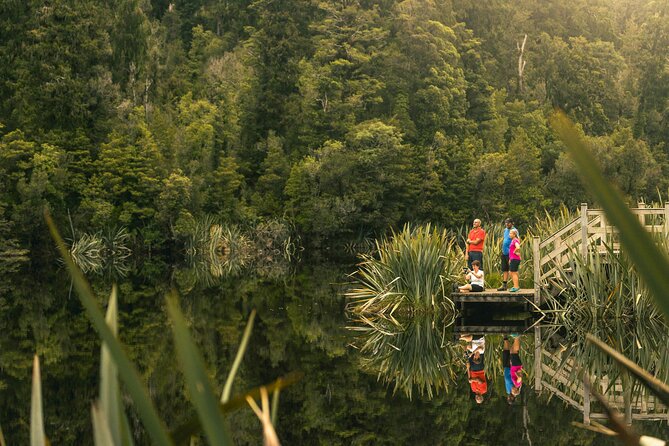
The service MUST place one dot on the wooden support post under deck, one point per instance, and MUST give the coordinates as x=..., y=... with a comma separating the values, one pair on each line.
x=536, y=260
x=586, y=402
x=627, y=398
x=537, y=360
x=584, y=230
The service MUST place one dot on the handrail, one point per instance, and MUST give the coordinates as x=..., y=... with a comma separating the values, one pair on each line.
x=590, y=226
x=559, y=233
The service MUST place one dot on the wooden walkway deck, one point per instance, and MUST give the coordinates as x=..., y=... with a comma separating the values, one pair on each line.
x=492, y=295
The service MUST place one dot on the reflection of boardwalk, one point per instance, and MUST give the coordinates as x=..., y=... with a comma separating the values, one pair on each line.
x=554, y=374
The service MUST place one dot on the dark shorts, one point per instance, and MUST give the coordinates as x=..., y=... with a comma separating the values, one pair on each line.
x=475, y=255
x=477, y=288
x=505, y=263
x=513, y=265
x=506, y=358
x=515, y=359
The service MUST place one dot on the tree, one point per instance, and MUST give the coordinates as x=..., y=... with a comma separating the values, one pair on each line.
x=268, y=197
x=125, y=188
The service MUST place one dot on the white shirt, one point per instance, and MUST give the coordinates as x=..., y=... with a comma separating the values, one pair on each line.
x=477, y=344
x=476, y=280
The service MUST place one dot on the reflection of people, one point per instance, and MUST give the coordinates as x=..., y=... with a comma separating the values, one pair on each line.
x=506, y=244
x=513, y=367
x=514, y=258
x=474, y=248
x=475, y=277
x=476, y=365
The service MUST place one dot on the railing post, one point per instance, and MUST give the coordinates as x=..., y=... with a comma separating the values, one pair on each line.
x=584, y=230
x=538, y=372
x=536, y=259
x=666, y=219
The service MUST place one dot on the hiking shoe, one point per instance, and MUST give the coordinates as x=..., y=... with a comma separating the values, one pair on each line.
x=502, y=288
x=514, y=290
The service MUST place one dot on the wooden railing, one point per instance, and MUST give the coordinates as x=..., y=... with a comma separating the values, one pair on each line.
x=589, y=229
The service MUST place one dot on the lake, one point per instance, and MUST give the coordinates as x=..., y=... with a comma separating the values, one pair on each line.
x=301, y=325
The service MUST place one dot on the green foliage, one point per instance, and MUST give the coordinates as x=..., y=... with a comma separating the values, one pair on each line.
x=414, y=269
x=350, y=118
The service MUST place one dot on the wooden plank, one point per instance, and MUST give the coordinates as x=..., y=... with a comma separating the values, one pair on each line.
x=538, y=372
x=586, y=403
x=568, y=227
x=518, y=299
x=647, y=211
x=524, y=292
x=562, y=396
x=584, y=230
x=562, y=378
x=536, y=253
x=490, y=329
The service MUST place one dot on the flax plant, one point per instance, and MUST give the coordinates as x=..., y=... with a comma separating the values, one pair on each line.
x=414, y=269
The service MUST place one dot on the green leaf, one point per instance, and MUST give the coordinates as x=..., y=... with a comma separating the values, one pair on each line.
x=225, y=396
x=197, y=381
x=101, y=431
x=110, y=392
x=126, y=370
x=652, y=264
x=109, y=389
x=37, y=436
x=275, y=406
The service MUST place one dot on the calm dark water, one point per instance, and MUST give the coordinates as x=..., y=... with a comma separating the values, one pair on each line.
x=301, y=325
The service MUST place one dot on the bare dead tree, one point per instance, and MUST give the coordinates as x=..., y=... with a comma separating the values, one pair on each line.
x=521, y=64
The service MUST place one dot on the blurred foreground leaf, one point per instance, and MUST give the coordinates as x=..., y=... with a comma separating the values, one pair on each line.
x=200, y=388
x=126, y=370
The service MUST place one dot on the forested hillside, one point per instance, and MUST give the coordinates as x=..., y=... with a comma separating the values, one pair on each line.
x=343, y=117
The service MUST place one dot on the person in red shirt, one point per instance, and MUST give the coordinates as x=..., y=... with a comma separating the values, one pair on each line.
x=476, y=366
x=474, y=248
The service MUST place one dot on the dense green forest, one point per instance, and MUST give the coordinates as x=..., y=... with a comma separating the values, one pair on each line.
x=343, y=117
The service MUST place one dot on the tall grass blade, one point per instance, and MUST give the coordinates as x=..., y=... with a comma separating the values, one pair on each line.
x=37, y=436
x=102, y=434
x=651, y=263
x=275, y=406
x=197, y=381
x=109, y=389
x=183, y=433
x=2, y=438
x=660, y=389
x=126, y=370
x=227, y=388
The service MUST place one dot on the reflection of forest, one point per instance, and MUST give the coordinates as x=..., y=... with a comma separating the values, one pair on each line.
x=300, y=326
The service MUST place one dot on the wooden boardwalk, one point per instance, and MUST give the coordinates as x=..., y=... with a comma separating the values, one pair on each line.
x=492, y=295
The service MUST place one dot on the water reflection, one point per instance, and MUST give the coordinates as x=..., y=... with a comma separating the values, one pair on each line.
x=602, y=295
x=300, y=326
x=215, y=251
x=412, y=352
